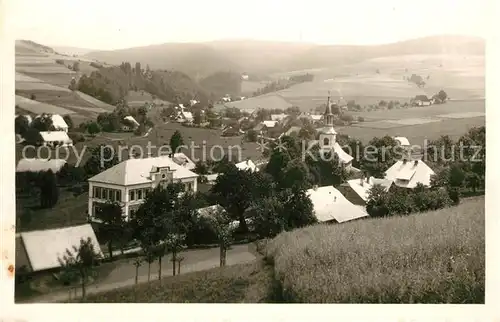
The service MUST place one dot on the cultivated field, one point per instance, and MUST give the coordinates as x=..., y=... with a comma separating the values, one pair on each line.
x=95, y=102
x=436, y=257
x=416, y=134
x=39, y=107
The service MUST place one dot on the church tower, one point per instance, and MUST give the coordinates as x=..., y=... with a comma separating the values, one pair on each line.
x=328, y=135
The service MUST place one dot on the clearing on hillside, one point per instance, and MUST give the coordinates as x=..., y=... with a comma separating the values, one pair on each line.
x=434, y=257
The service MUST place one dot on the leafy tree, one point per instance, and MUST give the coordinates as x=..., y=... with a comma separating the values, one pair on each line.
x=21, y=125
x=382, y=156
x=307, y=132
x=197, y=117
x=251, y=136
x=43, y=123
x=441, y=151
x=235, y=190
x=101, y=158
x=176, y=141
x=73, y=85
x=442, y=96
x=68, y=121
x=76, y=66
x=82, y=260
x=152, y=222
x=219, y=223
x=377, y=202
x=49, y=192
x=113, y=223
x=93, y=128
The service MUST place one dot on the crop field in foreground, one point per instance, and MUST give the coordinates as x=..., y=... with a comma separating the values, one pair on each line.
x=435, y=257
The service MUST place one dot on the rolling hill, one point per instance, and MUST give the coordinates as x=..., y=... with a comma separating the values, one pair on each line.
x=201, y=59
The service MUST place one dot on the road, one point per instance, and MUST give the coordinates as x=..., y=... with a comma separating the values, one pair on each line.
x=124, y=273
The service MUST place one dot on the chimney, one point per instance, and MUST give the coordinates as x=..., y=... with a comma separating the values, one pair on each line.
x=315, y=187
x=367, y=179
x=361, y=181
x=404, y=161
x=415, y=163
x=335, y=199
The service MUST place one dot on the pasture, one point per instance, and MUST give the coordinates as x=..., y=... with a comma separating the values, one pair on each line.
x=95, y=102
x=434, y=257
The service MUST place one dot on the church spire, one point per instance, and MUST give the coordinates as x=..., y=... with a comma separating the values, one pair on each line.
x=328, y=112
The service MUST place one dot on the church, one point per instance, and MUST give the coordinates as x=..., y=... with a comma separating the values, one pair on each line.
x=328, y=139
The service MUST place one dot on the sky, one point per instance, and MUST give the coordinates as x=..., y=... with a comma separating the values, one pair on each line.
x=114, y=24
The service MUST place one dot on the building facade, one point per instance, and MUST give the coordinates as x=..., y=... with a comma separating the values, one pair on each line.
x=129, y=182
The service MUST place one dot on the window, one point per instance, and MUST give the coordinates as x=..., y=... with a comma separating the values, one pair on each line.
x=104, y=193
x=132, y=195
x=118, y=195
x=163, y=176
x=94, y=192
x=139, y=194
x=326, y=141
x=189, y=186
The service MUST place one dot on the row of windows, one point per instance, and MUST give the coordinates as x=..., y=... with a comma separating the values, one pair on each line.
x=107, y=194
x=138, y=194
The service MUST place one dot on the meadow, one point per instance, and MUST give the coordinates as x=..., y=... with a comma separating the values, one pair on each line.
x=435, y=257
x=137, y=99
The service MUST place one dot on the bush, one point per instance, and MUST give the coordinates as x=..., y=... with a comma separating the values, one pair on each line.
x=361, y=119
x=60, y=61
x=76, y=137
x=33, y=97
x=95, y=65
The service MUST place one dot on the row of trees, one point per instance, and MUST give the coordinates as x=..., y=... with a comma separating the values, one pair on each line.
x=283, y=84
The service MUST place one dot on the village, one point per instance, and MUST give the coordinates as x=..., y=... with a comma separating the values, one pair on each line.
x=250, y=172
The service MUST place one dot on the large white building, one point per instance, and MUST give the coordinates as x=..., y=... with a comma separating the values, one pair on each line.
x=130, y=181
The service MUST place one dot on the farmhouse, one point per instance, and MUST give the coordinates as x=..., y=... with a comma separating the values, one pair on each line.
x=331, y=206
x=41, y=250
x=265, y=125
x=55, y=138
x=183, y=116
x=408, y=173
x=292, y=130
x=38, y=165
x=422, y=100
x=210, y=210
x=129, y=182
x=129, y=123
x=357, y=191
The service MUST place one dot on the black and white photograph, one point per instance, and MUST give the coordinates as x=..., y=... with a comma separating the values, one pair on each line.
x=258, y=151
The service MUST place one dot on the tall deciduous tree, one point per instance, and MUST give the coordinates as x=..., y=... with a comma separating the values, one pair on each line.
x=82, y=260
x=113, y=223
x=101, y=158
x=176, y=141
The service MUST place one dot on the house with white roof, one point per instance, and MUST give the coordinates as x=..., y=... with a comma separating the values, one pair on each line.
x=55, y=138
x=58, y=123
x=130, y=123
x=316, y=117
x=210, y=210
x=278, y=117
x=265, y=125
x=184, y=116
x=41, y=250
x=247, y=165
x=182, y=160
x=130, y=181
x=357, y=191
x=38, y=165
x=331, y=206
x=408, y=173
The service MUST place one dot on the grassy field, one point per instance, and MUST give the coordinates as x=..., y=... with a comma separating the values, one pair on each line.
x=137, y=99
x=424, y=111
x=37, y=107
x=70, y=210
x=244, y=283
x=249, y=87
x=416, y=134
x=95, y=102
x=436, y=257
